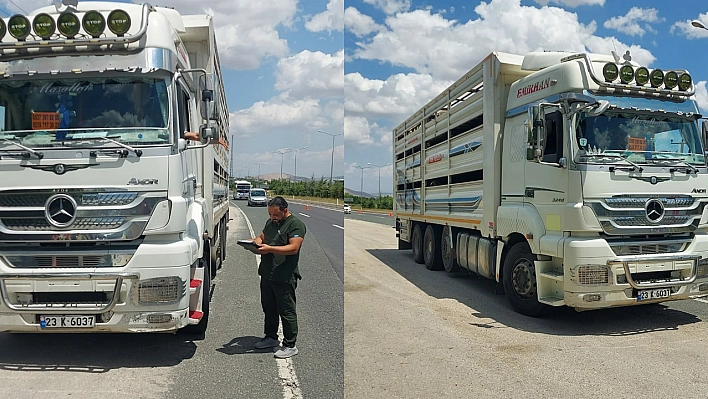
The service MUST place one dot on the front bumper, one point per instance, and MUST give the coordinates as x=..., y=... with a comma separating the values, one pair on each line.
x=125, y=299
x=626, y=276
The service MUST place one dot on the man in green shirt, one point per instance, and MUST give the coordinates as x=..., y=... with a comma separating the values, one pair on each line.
x=280, y=244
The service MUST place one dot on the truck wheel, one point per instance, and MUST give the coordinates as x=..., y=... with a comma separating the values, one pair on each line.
x=417, y=243
x=449, y=260
x=431, y=249
x=519, y=275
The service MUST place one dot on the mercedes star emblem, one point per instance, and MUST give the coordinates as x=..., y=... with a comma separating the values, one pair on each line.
x=60, y=210
x=655, y=210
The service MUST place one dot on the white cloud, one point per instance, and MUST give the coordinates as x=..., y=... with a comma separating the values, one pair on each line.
x=311, y=74
x=390, y=6
x=358, y=23
x=572, y=3
x=246, y=30
x=430, y=43
x=330, y=20
x=394, y=99
x=357, y=130
x=690, y=31
x=277, y=115
x=308, y=162
x=629, y=23
x=27, y=5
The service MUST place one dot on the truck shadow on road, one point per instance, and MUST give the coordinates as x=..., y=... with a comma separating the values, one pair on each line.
x=491, y=310
x=92, y=353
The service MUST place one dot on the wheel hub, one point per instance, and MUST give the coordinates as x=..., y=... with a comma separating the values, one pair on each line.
x=524, y=279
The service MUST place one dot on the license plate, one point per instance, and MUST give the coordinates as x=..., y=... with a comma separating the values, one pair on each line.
x=653, y=294
x=67, y=321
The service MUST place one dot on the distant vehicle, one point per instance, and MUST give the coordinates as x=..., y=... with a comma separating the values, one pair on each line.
x=347, y=209
x=243, y=189
x=257, y=196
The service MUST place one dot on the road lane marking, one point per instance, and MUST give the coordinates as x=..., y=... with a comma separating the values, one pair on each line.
x=286, y=369
x=307, y=216
x=338, y=226
x=701, y=300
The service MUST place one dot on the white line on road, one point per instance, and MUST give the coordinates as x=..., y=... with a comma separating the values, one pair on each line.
x=701, y=300
x=307, y=216
x=286, y=369
x=338, y=226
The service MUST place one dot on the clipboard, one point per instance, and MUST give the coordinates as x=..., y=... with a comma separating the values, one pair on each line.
x=249, y=245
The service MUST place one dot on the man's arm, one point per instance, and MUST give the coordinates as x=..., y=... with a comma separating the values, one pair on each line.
x=292, y=248
x=191, y=136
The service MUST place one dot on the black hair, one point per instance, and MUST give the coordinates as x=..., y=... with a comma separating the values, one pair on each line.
x=280, y=202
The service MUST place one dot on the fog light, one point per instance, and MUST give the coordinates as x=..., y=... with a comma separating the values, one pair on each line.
x=159, y=318
x=592, y=297
x=161, y=290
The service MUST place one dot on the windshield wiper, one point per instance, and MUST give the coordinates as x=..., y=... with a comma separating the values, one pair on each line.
x=121, y=153
x=29, y=152
x=614, y=167
x=687, y=167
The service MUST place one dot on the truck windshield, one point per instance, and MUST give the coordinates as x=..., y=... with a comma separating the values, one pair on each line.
x=639, y=138
x=45, y=112
x=243, y=188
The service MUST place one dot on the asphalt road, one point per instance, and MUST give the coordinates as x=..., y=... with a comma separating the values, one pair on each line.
x=221, y=365
x=414, y=333
x=380, y=218
x=328, y=226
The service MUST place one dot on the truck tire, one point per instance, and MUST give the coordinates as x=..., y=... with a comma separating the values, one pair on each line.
x=519, y=276
x=417, y=243
x=447, y=252
x=431, y=249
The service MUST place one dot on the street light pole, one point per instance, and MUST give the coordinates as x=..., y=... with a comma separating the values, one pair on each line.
x=361, y=187
x=282, y=152
x=381, y=166
x=331, y=168
x=258, y=180
x=296, y=151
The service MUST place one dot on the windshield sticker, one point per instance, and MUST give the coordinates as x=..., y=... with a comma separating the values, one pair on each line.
x=77, y=87
x=636, y=144
x=45, y=120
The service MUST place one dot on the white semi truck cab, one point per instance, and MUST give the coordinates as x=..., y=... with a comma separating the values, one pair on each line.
x=570, y=179
x=110, y=220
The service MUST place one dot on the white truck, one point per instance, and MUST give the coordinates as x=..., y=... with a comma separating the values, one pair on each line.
x=243, y=189
x=569, y=179
x=110, y=220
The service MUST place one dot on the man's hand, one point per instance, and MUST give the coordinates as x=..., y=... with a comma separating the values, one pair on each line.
x=264, y=249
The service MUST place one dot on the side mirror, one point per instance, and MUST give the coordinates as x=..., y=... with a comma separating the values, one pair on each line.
x=208, y=85
x=535, y=132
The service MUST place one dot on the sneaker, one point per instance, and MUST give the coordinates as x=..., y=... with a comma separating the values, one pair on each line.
x=267, y=342
x=286, y=352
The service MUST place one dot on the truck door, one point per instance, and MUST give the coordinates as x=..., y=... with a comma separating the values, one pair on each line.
x=546, y=185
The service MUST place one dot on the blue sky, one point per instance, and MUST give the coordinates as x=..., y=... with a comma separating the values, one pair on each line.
x=282, y=62
x=399, y=54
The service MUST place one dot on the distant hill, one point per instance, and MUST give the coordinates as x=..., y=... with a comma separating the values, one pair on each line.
x=357, y=193
x=287, y=176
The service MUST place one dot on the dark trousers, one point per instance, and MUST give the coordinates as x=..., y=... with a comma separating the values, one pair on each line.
x=278, y=300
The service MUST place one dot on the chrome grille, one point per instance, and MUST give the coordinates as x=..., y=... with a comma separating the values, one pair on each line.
x=593, y=275
x=102, y=199
x=22, y=224
x=92, y=261
x=650, y=248
x=625, y=215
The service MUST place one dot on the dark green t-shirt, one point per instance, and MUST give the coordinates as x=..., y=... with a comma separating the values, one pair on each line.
x=281, y=268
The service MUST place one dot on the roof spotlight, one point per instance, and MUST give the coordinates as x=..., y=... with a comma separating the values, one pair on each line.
x=119, y=22
x=94, y=23
x=68, y=24
x=19, y=26
x=44, y=25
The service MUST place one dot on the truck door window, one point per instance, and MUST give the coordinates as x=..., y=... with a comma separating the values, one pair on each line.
x=553, y=147
x=183, y=109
